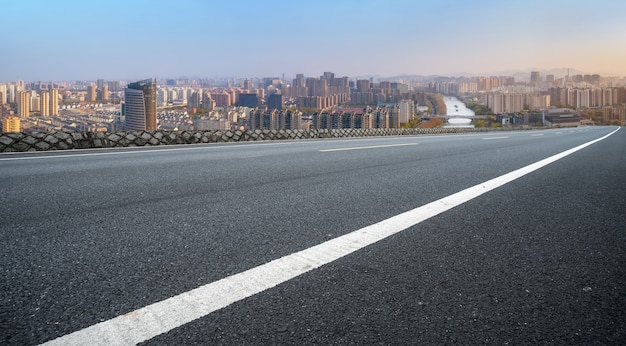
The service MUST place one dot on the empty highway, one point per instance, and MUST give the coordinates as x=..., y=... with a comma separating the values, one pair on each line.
x=498, y=238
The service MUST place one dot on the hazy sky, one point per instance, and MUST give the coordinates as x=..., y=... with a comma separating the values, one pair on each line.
x=135, y=39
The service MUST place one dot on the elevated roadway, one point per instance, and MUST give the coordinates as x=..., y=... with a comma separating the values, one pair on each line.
x=157, y=245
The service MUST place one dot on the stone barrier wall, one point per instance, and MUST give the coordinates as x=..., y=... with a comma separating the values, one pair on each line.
x=41, y=141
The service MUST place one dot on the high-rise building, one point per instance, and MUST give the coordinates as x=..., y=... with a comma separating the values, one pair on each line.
x=194, y=102
x=535, y=77
x=91, y=93
x=114, y=85
x=34, y=101
x=222, y=99
x=54, y=101
x=275, y=101
x=103, y=93
x=3, y=91
x=44, y=103
x=140, y=105
x=363, y=85
x=299, y=80
x=23, y=104
x=248, y=100
x=11, y=124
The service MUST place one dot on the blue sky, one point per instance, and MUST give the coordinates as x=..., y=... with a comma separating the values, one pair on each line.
x=133, y=39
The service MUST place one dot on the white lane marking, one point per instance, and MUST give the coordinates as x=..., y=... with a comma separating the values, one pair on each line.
x=368, y=147
x=155, y=149
x=158, y=318
x=536, y=135
x=487, y=138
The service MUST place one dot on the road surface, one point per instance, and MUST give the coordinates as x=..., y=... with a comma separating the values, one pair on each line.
x=133, y=245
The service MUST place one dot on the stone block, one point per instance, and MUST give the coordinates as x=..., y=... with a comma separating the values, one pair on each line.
x=42, y=146
x=30, y=140
x=51, y=139
x=61, y=135
x=6, y=140
x=17, y=136
x=40, y=135
x=20, y=146
x=82, y=144
x=139, y=142
x=77, y=136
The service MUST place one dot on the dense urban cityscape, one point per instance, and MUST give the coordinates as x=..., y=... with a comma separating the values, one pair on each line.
x=325, y=102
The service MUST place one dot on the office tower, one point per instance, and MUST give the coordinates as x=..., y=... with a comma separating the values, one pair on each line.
x=91, y=93
x=275, y=101
x=140, y=105
x=54, y=101
x=100, y=83
x=248, y=100
x=44, y=103
x=23, y=104
x=535, y=77
x=11, y=124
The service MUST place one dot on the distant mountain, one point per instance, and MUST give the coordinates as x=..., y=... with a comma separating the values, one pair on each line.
x=519, y=74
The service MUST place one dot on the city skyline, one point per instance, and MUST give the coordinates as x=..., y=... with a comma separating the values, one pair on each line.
x=77, y=40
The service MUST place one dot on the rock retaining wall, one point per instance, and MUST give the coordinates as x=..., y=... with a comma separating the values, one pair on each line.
x=40, y=141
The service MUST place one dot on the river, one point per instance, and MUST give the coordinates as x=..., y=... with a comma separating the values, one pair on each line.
x=454, y=106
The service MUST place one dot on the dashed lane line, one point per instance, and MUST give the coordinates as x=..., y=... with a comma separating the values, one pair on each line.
x=368, y=147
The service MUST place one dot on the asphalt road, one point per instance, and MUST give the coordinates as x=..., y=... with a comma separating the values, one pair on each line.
x=93, y=234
